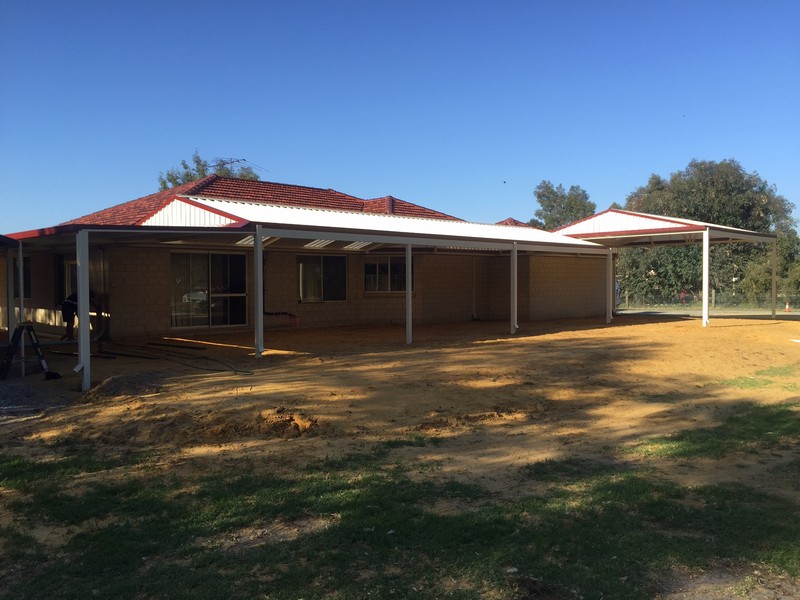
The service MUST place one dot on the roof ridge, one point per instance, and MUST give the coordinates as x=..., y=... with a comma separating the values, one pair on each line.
x=193, y=187
x=284, y=185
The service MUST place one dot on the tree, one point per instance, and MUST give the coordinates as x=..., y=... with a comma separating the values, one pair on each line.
x=713, y=192
x=201, y=168
x=558, y=207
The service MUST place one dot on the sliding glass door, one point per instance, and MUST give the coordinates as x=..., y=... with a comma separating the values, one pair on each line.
x=208, y=289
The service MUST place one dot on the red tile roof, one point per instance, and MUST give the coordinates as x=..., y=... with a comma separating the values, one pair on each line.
x=513, y=222
x=389, y=205
x=136, y=211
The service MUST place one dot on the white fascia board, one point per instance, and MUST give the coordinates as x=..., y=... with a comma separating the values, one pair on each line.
x=299, y=222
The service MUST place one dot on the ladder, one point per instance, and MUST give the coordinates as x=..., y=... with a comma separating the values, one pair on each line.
x=14, y=345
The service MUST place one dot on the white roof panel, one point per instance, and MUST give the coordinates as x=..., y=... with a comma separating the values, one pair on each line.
x=291, y=221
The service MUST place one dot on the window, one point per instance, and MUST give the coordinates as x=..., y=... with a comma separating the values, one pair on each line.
x=208, y=289
x=385, y=274
x=26, y=275
x=322, y=278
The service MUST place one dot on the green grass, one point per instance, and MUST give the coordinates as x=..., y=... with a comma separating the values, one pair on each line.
x=762, y=378
x=747, y=383
x=603, y=529
x=784, y=371
x=750, y=428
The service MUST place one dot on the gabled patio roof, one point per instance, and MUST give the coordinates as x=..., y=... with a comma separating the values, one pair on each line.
x=615, y=228
x=619, y=228
x=294, y=222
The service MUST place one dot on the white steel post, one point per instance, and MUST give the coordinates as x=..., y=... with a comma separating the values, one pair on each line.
x=258, y=277
x=84, y=337
x=609, y=286
x=409, y=296
x=21, y=318
x=706, y=271
x=514, y=325
x=774, y=276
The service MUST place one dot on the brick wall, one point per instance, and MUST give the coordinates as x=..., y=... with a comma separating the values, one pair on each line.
x=448, y=288
x=567, y=286
x=499, y=287
x=139, y=291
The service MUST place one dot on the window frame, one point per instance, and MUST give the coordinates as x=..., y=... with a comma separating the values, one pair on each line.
x=339, y=292
x=389, y=276
x=211, y=294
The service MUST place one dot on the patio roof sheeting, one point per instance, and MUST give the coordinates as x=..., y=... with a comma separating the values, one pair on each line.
x=618, y=228
x=296, y=222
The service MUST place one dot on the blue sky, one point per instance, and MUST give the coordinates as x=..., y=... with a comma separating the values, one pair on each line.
x=460, y=106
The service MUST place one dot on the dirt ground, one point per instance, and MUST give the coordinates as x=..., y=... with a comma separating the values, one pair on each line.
x=554, y=390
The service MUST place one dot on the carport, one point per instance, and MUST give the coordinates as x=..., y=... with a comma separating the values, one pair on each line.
x=615, y=228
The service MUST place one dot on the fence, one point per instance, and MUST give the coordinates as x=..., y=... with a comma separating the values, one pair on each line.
x=718, y=300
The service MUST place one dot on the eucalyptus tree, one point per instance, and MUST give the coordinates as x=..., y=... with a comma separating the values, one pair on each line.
x=201, y=168
x=714, y=192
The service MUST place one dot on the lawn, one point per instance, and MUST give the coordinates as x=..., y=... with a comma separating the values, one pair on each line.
x=470, y=470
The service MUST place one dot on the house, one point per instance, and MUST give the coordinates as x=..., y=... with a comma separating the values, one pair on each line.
x=229, y=254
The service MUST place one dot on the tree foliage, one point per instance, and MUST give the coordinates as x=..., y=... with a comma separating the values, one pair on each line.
x=559, y=207
x=201, y=168
x=714, y=192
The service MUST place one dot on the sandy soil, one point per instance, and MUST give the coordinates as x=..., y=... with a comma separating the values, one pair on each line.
x=554, y=390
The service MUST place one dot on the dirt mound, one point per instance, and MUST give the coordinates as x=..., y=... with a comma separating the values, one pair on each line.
x=154, y=427
x=281, y=422
x=438, y=420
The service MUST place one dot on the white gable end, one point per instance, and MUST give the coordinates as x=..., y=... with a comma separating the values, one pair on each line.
x=617, y=222
x=182, y=214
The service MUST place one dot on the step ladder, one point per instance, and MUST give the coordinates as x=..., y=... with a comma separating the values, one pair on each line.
x=14, y=345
